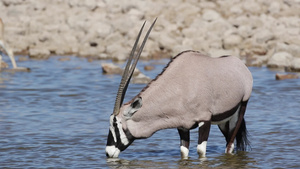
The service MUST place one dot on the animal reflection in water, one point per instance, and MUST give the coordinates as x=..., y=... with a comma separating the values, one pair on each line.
x=8, y=51
x=194, y=90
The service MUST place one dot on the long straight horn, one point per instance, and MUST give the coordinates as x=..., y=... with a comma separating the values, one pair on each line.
x=129, y=69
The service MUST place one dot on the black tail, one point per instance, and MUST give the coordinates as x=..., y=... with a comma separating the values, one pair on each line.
x=242, y=141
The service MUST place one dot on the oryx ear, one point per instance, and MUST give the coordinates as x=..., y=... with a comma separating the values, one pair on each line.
x=134, y=106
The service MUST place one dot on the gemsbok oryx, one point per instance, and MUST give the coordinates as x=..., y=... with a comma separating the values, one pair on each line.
x=194, y=90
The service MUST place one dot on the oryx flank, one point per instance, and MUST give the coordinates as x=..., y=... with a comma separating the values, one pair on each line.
x=194, y=90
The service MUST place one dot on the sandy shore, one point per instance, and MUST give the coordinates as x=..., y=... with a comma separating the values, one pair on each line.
x=262, y=32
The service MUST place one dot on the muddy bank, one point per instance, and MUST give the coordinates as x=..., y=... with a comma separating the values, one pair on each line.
x=258, y=31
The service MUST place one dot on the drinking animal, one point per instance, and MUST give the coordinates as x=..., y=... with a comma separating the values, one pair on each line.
x=194, y=90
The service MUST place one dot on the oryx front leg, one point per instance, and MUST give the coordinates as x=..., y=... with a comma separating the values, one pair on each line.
x=184, y=142
x=204, y=128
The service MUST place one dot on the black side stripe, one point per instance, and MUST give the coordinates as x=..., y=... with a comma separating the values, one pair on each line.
x=110, y=139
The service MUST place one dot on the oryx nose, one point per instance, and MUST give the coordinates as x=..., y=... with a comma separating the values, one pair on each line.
x=112, y=151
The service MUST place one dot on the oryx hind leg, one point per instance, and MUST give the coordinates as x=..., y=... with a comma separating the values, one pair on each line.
x=204, y=128
x=184, y=142
x=231, y=127
x=225, y=129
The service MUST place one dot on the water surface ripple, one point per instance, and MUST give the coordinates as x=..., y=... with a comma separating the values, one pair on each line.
x=57, y=116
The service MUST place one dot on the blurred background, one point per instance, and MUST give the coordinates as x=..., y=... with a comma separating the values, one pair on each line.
x=57, y=114
x=259, y=31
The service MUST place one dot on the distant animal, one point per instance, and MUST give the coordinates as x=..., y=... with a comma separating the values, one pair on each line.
x=194, y=90
x=8, y=51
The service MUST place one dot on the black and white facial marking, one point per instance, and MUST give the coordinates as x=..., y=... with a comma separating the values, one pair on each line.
x=118, y=139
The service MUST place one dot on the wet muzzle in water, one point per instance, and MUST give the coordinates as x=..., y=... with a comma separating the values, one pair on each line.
x=112, y=151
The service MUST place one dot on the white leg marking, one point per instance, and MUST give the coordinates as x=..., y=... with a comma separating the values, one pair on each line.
x=112, y=151
x=201, y=149
x=184, y=152
x=231, y=149
x=201, y=124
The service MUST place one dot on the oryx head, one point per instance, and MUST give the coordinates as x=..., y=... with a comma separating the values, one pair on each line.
x=119, y=137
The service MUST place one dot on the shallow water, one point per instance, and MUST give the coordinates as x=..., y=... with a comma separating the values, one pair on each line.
x=56, y=116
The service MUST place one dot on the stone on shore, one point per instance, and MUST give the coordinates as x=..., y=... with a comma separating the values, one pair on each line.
x=101, y=29
x=39, y=53
x=3, y=65
x=286, y=76
x=295, y=66
x=109, y=68
x=148, y=68
x=210, y=15
x=231, y=41
x=280, y=60
x=138, y=77
x=141, y=79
